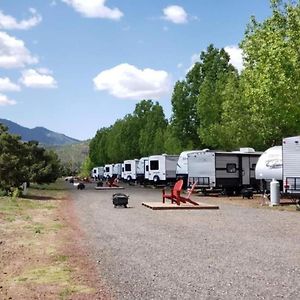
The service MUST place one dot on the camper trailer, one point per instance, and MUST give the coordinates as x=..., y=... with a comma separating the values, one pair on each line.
x=291, y=165
x=130, y=170
x=117, y=170
x=268, y=167
x=228, y=172
x=141, y=170
x=182, y=166
x=97, y=173
x=108, y=171
x=162, y=168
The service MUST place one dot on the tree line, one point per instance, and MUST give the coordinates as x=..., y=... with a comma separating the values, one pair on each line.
x=24, y=162
x=217, y=107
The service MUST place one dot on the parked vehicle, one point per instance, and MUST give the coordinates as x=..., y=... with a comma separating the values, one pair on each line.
x=141, y=170
x=97, y=173
x=130, y=170
x=117, y=170
x=162, y=168
x=108, y=171
x=228, y=172
x=291, y=165
x=268, y=167
x=182, y=166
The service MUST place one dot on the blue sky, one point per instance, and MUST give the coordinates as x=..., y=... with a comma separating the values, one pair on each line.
x=74, y=66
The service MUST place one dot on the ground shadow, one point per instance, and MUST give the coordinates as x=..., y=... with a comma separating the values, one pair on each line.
x=43, y=198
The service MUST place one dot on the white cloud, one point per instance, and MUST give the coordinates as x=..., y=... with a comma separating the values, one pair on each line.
x=236, y=56
x=95, y=9
x=127, y=81
x=40, y=78
x=8, y=22
x=13, y=53
x=6, y=101
x=6, y=85
x=175, y=14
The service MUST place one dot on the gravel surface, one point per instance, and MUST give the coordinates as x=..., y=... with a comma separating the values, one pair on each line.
x=231, y=253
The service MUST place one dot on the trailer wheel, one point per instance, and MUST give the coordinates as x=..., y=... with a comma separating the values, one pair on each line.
x=155, y=179
x=128, y=178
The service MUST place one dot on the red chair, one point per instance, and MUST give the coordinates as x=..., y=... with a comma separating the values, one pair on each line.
x=175, y=193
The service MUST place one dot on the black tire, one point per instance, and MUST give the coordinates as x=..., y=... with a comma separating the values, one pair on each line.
x=125, y=205
x=129, y=178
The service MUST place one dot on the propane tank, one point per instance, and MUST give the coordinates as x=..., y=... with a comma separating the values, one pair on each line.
x=275, y=193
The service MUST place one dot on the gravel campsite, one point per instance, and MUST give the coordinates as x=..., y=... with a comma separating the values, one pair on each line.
x=241, y=251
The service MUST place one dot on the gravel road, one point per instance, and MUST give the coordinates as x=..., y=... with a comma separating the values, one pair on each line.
x=231, y=253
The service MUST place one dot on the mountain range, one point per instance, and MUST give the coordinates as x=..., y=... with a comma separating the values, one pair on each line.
x=40, y=134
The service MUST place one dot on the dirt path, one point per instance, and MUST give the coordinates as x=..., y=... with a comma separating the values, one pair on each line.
x=40, y=252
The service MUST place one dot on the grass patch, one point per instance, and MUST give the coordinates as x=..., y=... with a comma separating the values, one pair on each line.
x=46, y=275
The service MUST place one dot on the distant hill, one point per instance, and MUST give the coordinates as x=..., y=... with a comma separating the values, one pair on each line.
x=72, y=156
x=40, y=134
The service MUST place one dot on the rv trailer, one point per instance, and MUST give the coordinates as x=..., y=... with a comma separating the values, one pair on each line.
x=268, y=167
x=141, y=170
x=162, y=168
x=97, y=173
x=130, y=169
x=291, y=165
x=228, y=172
x=182, y=166
x=117, y=170
x=108, y=171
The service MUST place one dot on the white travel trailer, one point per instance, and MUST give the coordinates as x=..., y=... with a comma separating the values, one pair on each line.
x=97, y=173
x=141, y=172
x=182, y=166
x=162, y=168
x=108, y=171
x=117, y=170
x=291, y=165
x=130, y=169
x=229, y=172
x=269, y=166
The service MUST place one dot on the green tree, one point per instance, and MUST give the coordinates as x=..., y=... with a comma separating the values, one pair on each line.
x=271, y=78
x=216, y=73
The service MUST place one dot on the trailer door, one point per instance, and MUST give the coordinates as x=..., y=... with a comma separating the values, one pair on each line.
x=245, y=170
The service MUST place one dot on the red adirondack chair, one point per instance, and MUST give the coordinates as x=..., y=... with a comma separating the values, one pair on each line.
x=175, y=195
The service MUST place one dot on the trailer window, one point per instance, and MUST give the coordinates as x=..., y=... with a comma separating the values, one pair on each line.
x=95, y=171
x=253, y=166
x=154, y=165
x=231, y=168
x=147, y=168
x=106, y=169
x=127, y=167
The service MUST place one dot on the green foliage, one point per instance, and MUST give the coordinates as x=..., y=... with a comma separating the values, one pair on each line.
x=216, y=74
x=138, y=134
x=24, y=162
x=271, y=78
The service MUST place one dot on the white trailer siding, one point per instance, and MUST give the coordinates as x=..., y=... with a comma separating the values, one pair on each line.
x=291, y=164
x=222, y=170
x=201, y=168
x=162, y=167
x=108, y=171
x=97, y=172
x=130, y=169
x=117, y=170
